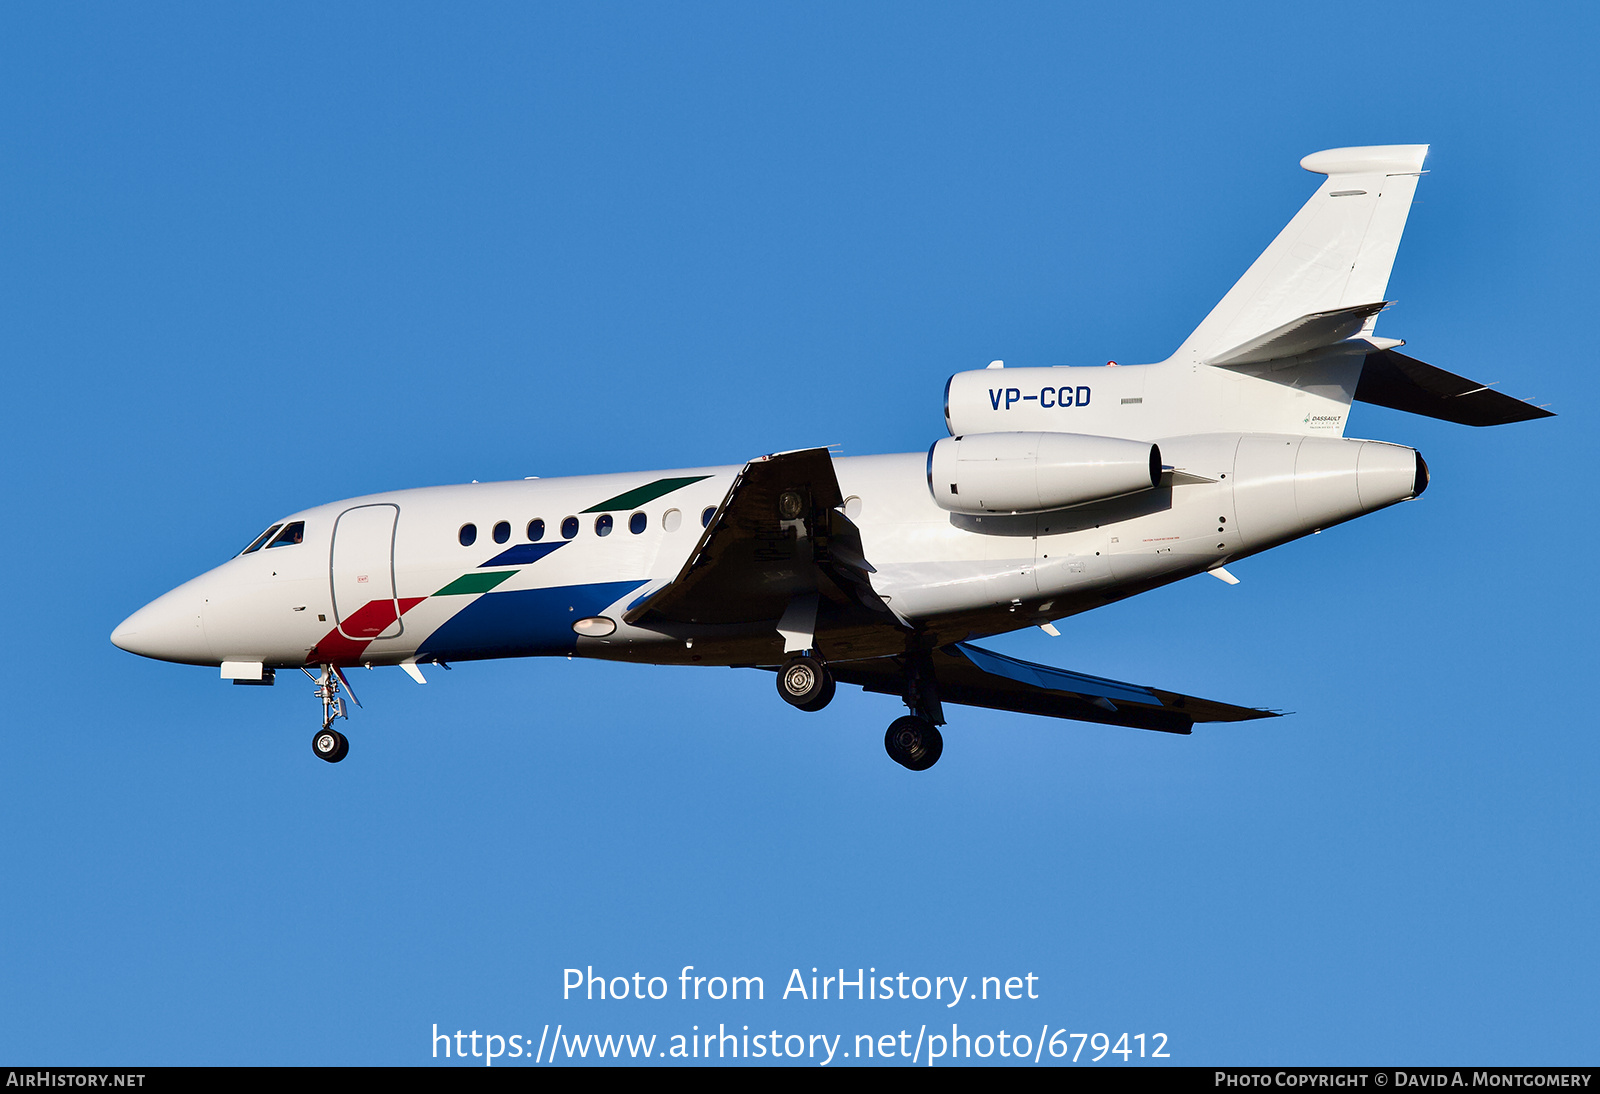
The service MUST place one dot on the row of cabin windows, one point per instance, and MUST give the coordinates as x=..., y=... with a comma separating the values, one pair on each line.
x=569, y=527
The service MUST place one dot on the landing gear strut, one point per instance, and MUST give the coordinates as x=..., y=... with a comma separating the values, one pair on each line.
x=914, y=741
x=805, y=683
x=329, y=744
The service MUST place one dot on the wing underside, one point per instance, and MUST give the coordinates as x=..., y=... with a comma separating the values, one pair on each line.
x=973, y=676
x=778, y=542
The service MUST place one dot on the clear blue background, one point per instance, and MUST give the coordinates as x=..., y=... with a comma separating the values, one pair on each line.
x=256, y=260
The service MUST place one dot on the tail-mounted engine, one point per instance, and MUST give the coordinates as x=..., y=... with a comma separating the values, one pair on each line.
x=1036, y=472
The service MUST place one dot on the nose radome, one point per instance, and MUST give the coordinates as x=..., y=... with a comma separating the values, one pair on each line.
x=168, y=628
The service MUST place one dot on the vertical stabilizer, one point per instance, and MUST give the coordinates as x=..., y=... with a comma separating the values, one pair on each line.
x=1335, y=254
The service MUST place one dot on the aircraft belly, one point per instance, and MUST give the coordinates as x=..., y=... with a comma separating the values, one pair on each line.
x=921, y=589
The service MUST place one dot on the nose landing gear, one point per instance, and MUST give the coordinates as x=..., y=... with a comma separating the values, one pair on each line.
x=329, y=744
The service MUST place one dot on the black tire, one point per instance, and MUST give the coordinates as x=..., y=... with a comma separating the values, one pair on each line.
x=805, y=683
x=823, y=698
x=913, y=743
x=330, y=745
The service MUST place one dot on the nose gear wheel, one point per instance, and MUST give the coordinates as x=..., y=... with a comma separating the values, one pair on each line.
x=330, y=745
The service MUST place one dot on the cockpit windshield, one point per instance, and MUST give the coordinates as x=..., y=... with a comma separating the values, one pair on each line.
x=257, y=543
x=292, y=533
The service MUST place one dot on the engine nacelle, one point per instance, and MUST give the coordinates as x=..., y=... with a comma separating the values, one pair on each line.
x=1036, y=472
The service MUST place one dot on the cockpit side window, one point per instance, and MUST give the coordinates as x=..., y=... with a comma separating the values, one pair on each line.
x=291, y=534
x=259, y=540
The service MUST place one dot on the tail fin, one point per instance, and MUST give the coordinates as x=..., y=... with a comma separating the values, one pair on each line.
x=1335, y=255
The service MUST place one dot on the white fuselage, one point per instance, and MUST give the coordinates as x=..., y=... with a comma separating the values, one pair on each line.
x=387, y=579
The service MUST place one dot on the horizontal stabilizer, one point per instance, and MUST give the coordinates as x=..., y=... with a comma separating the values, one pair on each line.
x=1403, y=383
x=1302, y=335
x=972, y=676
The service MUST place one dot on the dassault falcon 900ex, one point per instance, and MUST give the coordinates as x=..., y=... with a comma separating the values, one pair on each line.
x=1058, y=490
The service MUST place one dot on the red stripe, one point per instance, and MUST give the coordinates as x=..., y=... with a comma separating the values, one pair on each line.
x=366, y=622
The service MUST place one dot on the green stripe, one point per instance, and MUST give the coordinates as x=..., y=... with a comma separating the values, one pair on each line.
x=639, y=495
x=476, y=582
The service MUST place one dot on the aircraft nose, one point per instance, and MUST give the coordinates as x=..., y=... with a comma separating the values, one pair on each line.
x=168, y=628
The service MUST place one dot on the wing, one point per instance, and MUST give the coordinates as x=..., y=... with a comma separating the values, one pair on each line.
x=778, y=539
x=978, y=677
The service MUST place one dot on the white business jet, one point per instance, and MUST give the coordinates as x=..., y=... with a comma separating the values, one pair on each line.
x=1058, y=490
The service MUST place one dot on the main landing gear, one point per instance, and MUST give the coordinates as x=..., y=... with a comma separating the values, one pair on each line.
x=805, y=683
x=329, y=744
x=914, y=741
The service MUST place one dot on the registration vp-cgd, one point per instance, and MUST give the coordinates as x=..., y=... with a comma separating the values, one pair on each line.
x=1048, y=397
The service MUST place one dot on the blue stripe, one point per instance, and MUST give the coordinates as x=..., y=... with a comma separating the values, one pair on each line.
x=1054, y=679
x=522, y=622
x=522, y=554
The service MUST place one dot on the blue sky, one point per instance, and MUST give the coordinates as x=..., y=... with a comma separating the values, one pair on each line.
x=260, y=259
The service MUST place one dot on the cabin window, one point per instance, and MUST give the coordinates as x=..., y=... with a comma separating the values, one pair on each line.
x=291, y=534
x=535, y=530
x=569, y=527
x=602, y=524
x=469, y=535
x=705, y=518
x=261, y=539
x=637, y=522
x=502, y=531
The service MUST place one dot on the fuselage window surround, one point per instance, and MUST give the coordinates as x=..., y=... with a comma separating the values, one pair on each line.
x=602, y=524
x=705, y=518
x=468, y=534
x=535, y=530
x=502, y=531
x=637, y=523
x=569, y=527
